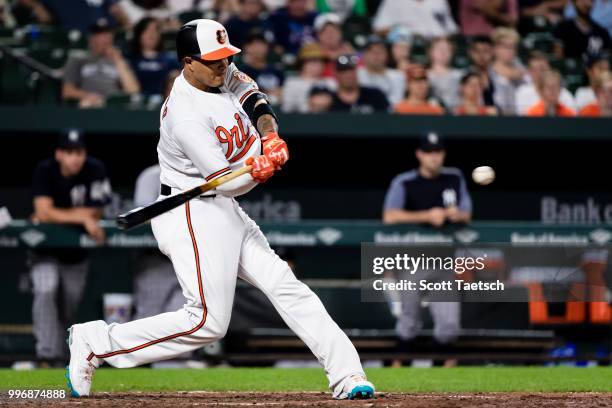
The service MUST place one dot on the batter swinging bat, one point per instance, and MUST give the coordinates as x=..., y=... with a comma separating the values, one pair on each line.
x=140, y=215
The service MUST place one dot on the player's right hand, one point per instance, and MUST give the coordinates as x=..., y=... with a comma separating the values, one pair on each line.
x=263, y=168
x=437, y=216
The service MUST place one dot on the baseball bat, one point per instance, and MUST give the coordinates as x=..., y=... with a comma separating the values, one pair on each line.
x=143, y=214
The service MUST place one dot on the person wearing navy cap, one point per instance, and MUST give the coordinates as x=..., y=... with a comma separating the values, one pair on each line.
x=429, y=195
x=69, y=188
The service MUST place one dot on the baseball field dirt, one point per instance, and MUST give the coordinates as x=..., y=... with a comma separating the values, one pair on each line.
x=319, y=399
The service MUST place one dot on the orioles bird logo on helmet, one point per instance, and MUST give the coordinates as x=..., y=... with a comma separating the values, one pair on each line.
x=221, y=36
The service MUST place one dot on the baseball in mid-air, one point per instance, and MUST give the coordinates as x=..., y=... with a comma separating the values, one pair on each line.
x=483, y=175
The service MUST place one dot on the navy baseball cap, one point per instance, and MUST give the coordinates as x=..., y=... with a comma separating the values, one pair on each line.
x=431, y=142
x=347, y=62
x=71, y=139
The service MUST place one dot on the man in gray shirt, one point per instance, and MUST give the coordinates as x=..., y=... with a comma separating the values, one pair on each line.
x=103, y=72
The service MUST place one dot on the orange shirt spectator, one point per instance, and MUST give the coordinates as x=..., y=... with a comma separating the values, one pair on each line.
x=591, y=110
x=426, y=108
x=539, y=109
x=416, y=101
x=470, y=91
x=602, y=107
x=549, y=88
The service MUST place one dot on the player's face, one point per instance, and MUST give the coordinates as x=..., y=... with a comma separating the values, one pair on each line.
x=208, y=73
x=431, y=161
x=71, y=161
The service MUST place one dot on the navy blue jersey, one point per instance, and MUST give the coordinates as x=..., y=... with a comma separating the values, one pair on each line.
x=411, y=192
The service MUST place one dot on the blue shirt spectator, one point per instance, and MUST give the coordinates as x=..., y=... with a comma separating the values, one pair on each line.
x=248, y=19
x=601, y=13
x=81, y=14
x=293, y=25
x=254, y=63
x=150, y=65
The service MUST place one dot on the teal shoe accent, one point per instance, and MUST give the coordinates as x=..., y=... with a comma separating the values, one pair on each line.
x=73, y=393
x=361, y=392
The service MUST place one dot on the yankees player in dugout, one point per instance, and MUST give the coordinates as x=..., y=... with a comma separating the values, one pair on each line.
x=206, y=131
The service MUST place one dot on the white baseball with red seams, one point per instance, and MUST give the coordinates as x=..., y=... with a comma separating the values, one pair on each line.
x=212, y=242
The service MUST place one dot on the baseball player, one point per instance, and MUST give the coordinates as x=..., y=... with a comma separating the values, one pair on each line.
x=206, y=131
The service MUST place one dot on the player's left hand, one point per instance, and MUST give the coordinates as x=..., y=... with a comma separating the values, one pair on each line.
x=276, y=149
x=263, y=168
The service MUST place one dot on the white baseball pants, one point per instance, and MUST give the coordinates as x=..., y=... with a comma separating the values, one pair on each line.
x=211, y=242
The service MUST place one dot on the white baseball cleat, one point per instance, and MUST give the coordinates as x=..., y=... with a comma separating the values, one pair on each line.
x=80, y=371
x=357, y=387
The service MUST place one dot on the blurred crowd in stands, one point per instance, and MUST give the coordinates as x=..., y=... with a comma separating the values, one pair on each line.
x=461, y=57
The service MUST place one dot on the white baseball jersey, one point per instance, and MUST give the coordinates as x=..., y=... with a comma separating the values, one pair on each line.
x=204, y=135
x=212, y=242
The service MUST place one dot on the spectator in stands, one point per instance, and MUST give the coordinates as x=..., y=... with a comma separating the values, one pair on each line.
x=471, y=97
x=136, y=10
x=549, y=89
x=24, y=12
x=248, y=19
x=331, y=41
x=81, y=15
x=350, y=96
x=595, y=66
x=343, y=9
x=601, y=13
x=431, y=195
x=527, y=94
x=481, y=56
x=375, y=74
x=7, y=20
x=254, y=63
x=70, y=189
x=428, y=19
x=537, y=15
x=507, y=72
x=581, y=35
x=103, y=72
x=417, y=100
x=293, y=25
x=150, y=65
x=311, y=64
x=602, y=107
x=320, y=99
x=481, y=17
x=400, y=41
x=443, y=78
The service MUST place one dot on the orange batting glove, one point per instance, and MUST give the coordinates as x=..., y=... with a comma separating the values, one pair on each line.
x=263, y=168
x=276, y=149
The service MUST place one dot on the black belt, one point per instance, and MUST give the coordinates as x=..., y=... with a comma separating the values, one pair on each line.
x=166, y=190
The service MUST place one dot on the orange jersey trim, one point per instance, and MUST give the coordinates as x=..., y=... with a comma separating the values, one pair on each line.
x=202, y=299
x=217, y=173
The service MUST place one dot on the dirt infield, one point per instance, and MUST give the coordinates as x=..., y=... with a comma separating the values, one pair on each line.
x=313, y=399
